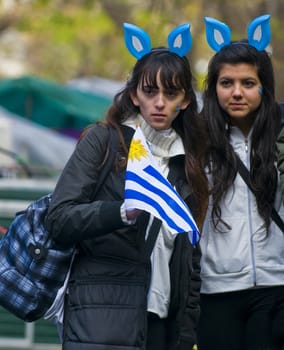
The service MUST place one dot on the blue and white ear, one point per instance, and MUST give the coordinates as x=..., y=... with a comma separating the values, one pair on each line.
x=259, y=32
x=179, y=40
x=137, y=40
x=218, y=34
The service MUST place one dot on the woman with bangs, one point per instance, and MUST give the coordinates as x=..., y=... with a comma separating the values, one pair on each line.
x=100, y=310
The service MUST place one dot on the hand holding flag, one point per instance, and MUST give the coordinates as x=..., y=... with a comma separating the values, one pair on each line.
x=147, y=189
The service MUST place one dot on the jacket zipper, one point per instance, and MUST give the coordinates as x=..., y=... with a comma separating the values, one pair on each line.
x=250, y=220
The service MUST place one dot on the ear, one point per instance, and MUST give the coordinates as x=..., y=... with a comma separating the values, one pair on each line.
x=179, y=40
x=137, y=40
x=185, y=104
x=259, y=32
x=218, y=34
x=134, y=99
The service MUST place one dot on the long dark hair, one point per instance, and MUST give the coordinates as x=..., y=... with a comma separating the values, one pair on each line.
x=266, y=126
x=174, y=73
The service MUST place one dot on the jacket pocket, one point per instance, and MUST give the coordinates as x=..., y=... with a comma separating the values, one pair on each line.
x=107, y=311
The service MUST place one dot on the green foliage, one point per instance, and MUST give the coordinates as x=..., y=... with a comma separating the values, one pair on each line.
x=67, y=43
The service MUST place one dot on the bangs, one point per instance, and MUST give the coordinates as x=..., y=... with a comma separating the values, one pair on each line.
x=169, y=75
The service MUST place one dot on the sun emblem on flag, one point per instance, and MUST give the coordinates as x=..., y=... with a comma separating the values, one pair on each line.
x=137, y=150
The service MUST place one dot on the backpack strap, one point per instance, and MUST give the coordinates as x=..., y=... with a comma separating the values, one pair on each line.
x=152, y=237
x=243, y=171
x=109, y=160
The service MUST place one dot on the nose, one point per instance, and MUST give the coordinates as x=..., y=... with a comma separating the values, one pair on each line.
x=160, y=100
x=237, y=91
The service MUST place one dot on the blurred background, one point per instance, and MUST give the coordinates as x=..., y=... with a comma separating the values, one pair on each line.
x=65, y=40
x=61, y=62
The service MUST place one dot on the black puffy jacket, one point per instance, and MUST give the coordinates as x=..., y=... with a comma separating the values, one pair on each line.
x=107, y=299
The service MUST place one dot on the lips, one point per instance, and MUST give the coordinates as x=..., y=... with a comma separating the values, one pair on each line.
x=237, y=105
x=159, y=116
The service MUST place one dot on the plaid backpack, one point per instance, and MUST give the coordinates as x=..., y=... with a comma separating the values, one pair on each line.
x=33, y=267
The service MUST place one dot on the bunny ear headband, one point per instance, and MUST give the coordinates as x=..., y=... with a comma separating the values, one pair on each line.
x=218, y=34
x=138, y=41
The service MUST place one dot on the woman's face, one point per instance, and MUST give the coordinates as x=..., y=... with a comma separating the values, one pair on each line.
x=159, y=106
x=239, y=93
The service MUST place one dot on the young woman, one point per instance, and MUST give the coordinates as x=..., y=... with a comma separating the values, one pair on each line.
x=242, y=264
x=104, y=308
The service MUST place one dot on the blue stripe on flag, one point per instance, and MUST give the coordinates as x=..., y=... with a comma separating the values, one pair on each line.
x=143, y=198
x=195, y=237
x=158, y=176
x=130, y=176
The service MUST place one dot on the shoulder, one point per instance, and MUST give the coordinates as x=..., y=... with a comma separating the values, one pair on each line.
x=98, y=130
x=95, y=137
x=100, y=133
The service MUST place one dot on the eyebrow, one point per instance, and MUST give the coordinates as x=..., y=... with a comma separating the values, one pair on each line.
x=233, y=78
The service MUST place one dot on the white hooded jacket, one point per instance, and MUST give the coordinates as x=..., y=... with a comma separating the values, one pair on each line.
x=245, y=256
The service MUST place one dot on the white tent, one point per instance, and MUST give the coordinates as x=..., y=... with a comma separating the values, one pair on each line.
x=35, y=146
x=105, y=87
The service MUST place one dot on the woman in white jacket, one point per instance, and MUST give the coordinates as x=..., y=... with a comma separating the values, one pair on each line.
x=242, y=266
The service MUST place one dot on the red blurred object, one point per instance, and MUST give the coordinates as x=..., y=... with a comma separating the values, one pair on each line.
x=3, y=230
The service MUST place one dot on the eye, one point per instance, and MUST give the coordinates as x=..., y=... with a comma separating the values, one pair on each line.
x=249, y=83
x=149, y=90
x=172, y=92
x=225, y=82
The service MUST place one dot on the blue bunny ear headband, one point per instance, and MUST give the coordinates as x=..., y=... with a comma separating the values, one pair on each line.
x=218, y=34
x=138, y=41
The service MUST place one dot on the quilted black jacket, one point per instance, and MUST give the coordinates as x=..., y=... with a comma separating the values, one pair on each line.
x=106, y=304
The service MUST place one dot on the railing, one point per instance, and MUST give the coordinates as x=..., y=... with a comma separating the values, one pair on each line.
x=17, y=334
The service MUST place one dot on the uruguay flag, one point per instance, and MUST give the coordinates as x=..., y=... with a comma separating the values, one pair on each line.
x=147, y=189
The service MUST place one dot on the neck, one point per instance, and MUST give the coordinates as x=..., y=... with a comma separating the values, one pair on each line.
x=164, y=143
x=244, y=124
